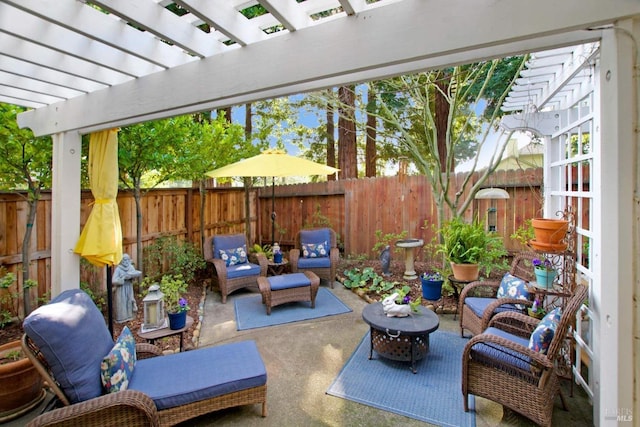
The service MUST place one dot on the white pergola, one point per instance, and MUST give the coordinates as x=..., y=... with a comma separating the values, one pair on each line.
x=82, y=69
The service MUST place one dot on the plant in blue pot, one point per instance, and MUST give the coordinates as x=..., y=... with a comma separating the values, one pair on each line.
x=431, y=285
x=545, y=273
x=173, y=287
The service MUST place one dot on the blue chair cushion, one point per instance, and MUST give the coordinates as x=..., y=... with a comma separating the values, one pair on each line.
x=479, y=304
x=543, y=334
x=490, y=353
x=243, y=270
x=73, y=337
x=117, y=366
x=225, y=242
x=513, y=287
x=234, y=256
x=314, y=262
x=192, y=376
x=315, y=243
x=287, y=281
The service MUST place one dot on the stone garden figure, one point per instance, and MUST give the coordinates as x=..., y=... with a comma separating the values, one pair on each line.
x=385, y=259
x=125, y=302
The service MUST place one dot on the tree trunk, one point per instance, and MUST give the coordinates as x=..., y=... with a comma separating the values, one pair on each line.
x=248, y=129
x=137, y=196
x=441, y=119
x=203, y=200
x=226, y=112
x=347, y=149
x=371, y=133
x=331, y=141
x=26, y=248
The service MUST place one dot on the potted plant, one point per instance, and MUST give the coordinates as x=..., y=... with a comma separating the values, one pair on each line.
x=173, y=287
x=468, y=248
x=549, y=233
x=431, y=285
x=20, y=383
x=544, y=271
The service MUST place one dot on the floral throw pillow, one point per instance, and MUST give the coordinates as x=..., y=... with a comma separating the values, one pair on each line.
x=315, y=250
x=513, y=287
x=542, y=336
x=234, y=256
x=117, y=366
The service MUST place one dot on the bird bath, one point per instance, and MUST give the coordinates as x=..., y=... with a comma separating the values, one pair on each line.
x=409, y=246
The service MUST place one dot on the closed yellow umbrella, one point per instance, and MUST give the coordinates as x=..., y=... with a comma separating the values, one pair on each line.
x=101, y=238
x=273, y=163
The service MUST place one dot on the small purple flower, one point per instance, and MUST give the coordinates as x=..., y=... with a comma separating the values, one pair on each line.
x=182, y=302
x=406, y=299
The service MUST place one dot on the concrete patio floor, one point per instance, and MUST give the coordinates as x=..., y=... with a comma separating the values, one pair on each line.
x=304, y=358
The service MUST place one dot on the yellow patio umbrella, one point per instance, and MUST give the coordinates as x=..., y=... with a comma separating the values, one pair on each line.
x=101, y=238
x=273, y=163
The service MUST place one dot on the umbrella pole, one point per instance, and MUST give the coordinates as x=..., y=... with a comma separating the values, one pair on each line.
x=273, y=210
x=109, y=300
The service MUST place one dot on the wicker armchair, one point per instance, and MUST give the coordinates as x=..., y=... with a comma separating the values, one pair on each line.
x=67, y=340
x=499, y=365
x=324, y=267
x=475, y=317
x=230, y=279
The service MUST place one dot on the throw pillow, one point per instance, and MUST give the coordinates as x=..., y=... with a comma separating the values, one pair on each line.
x=315, y=250
x=513, y=287
x=117, y=366
x=542, y=336
x=234, y=256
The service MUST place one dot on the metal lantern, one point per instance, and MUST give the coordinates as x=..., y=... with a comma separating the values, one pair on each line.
x=153, y=308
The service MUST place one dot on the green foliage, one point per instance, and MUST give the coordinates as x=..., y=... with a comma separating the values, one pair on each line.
x=368, y=279
x=402, y=293
x=264, y=249
x=382, y=240
x=173, y=287
x=99, y=300
x=357, y=278
x=469, y=243
x=9, y=300
x=168, y=255
x=524, y=233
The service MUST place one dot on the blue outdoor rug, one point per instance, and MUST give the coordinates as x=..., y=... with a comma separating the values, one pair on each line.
x=251, y=313
x=432, y=395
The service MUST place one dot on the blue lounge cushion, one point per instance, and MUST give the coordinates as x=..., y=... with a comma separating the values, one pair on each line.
x=543, y=334
x=479, y=304
x=490, y=353
x=324, y=262
x=192, y=376
x=243, y=270
x=225, y=242
x=73, y=337
x=117, y=366
x=513, y=287
x=288, y=281
x=234, y=256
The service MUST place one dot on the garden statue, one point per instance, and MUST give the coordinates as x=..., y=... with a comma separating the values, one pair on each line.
x=391, y=309
x=125, y=301
x=385, y=259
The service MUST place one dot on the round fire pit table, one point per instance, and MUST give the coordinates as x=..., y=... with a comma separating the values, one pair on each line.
x=400, y=338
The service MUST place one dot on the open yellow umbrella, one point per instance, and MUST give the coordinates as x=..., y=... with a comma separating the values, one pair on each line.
x=273, y=163
x=101, y=239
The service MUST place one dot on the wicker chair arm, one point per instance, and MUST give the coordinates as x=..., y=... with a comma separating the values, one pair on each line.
x=538, y=360
x=469, y=289
x=124, y=408
x=264, y=264
x=490, y=310
x=511, y=320
x=146, y=351
x=294, y=257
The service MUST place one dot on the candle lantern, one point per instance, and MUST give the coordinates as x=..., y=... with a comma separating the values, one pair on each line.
x=153, y=308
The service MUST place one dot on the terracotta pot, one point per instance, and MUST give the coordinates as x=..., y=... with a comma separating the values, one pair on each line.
x=549, y=231
x=465, y=272
x=20, y=385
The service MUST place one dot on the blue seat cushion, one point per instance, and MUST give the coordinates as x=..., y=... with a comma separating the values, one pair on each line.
x=242, y=270
x=228, y=242
x=196, y=375
x=490, y=353
x=73, y=337
x=324, y=262
x=287, y=281
x=479, y=304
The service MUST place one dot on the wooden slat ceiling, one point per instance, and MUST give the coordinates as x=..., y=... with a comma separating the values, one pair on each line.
x=54, y=50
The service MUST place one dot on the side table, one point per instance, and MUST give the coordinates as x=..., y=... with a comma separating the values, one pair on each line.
x=458, y=286
x=152, y=336
x=277, y=268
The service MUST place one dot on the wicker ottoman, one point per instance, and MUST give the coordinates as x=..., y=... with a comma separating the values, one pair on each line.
x=285, y=288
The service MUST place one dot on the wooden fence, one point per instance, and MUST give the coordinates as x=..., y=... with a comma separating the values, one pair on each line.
x=355, y=208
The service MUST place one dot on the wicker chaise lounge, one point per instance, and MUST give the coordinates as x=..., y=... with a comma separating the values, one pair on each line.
x=68, y=340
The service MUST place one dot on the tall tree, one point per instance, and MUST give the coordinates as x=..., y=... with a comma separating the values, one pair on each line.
x=371, y=134
x=25, y=164
x=347, y=148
